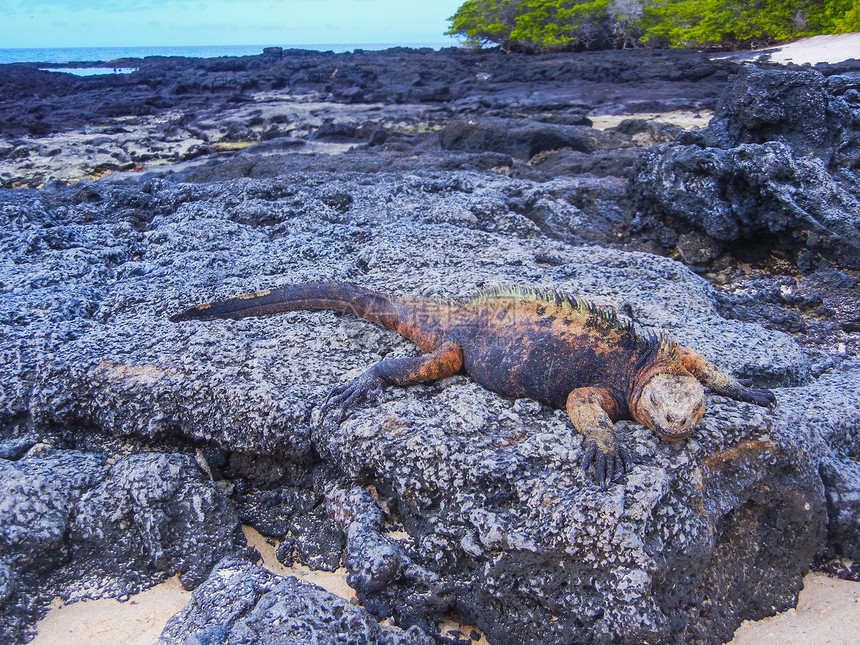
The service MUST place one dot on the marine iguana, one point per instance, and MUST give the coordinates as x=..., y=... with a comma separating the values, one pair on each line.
x=560, y=350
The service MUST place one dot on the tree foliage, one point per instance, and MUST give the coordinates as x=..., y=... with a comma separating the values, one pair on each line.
x=731, y=23
x=591, y=24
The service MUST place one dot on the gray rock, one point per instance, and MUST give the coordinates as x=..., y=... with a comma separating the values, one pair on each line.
x=600, y=163
x=779, y=157
x=243, y=603
x=749, y=189
x=500, y=524
x=521, y=138
x=444, y=496
x=83, y=526
x=829, y=410
x=493, y=501
x=760, y=105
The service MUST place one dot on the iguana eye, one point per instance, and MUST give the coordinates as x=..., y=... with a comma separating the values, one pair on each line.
x=653, y=398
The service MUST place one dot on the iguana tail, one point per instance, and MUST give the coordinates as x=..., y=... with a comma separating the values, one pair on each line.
x=407, y=316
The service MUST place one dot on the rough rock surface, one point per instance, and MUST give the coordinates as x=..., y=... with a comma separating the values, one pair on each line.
x=441, y=497
x=242, y=603
x=59, y=128
x=80, y=524
x=487, y=489
x=780, y=157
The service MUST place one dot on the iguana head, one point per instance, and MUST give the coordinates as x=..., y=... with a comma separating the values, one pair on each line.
x=671, y=405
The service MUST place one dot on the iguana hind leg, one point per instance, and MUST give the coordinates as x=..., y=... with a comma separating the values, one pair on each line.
x=721, y=383
x=589, y=409
x=445, y=361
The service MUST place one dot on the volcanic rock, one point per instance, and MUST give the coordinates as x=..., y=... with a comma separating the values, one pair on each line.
x=780, y=157
x=241, y=603
x=487, y=490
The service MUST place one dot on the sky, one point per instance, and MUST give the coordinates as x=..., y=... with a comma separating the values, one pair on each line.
x=150, y=23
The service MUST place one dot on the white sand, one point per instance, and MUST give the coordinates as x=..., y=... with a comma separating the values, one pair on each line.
x=684, y=118
x=818, y=49
x=828, y=613
x=137, y=621
x=140, y=620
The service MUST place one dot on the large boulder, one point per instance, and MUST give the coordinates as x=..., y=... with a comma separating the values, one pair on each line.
x=779, y=158
x=753, y=189
x=521, y=138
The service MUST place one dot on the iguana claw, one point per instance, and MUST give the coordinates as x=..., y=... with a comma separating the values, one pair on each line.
x=342, y=398
x=762, y=397
x=606, y=466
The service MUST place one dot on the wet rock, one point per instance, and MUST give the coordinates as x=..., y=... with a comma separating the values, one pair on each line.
x=243, y=603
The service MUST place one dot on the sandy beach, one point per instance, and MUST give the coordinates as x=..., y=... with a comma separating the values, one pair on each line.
x=140, y=619
x=818, y=49
x=827, y=613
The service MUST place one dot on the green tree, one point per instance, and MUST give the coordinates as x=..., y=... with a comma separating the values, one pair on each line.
x=553, y=24
x=847, y=21
x=485, y=21
x=540, y=24
x=546, y=25
x=729, y=23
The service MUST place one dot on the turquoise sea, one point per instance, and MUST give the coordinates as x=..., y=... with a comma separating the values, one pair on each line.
x=94, y=54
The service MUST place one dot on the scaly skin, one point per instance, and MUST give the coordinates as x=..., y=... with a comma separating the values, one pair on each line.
x=521, y=343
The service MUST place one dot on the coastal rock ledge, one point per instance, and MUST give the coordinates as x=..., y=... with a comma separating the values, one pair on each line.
x=133, y=448
x=438, y=498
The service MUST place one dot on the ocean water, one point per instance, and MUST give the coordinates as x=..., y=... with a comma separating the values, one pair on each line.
x=89, y=71
x=95, y=54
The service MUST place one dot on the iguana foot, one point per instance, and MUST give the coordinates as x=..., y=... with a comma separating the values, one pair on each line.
x=342, y=398
x=608, y=463
x=762, y=397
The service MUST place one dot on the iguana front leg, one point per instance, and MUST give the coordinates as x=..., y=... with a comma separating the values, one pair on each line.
x=721, y=383
x=589, y=409
x=445, y=361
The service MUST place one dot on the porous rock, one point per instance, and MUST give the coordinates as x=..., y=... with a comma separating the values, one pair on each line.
x=244, y=604
x=173, y=110
x=829, y=409
x=779, y=157
x=495, y=505
x=502, y=526
x=83, y=525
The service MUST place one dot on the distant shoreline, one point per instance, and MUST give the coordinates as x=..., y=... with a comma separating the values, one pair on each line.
x=63, y=55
